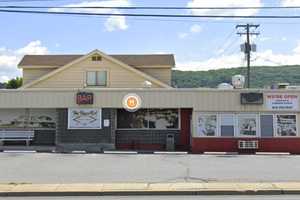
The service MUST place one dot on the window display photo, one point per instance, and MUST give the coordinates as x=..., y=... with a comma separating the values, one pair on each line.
x=247, y=125
x=206, y=125
x=286, y=125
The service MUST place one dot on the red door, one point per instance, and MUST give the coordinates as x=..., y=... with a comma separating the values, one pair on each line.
x=185, y=133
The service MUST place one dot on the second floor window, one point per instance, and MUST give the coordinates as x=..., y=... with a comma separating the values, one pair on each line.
x=96, y=78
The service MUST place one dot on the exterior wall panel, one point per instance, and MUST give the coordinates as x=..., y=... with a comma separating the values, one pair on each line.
x=33, y=74
x=83, y=139
x=75, y=76
x=198, y=99
x=144, y=139
x=200, y=145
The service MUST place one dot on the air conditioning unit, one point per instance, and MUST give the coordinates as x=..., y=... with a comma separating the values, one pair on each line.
x=248, y=144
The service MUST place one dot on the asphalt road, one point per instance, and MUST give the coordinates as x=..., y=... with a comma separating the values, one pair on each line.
x=89, y=168
x=283, y=197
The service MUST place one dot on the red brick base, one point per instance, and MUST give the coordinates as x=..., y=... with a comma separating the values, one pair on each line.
x=200, y=145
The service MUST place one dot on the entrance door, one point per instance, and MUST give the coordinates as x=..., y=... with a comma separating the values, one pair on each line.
x=185, y=132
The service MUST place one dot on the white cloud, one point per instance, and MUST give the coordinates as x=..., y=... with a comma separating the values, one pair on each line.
x=224, y=3
x=34, y=47
x=113, y=22
x=4, y=79
x=182, y=35
x=265, y=58
x=9, y=58
x=229, y=61
x=290, y=2
x=284, y=39
x=263, y=39
x=296, y=50
x=195, y=28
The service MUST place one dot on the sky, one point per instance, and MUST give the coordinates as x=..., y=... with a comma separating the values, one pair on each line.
x=198, y=44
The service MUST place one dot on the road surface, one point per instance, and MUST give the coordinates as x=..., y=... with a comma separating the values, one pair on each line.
x=92, y=168
x=285, y=197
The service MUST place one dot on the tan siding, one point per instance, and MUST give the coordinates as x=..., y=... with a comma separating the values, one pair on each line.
x=33, y=74
x=162, y=74
x=199, y=100
x=74, y=76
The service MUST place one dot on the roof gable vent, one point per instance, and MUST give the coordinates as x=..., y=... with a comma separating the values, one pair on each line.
x=96, y=57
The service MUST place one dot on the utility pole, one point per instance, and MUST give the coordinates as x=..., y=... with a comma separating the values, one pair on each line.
x=248, y=30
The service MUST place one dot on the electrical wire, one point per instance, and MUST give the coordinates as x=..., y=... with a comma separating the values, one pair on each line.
x=154, y=7
x=156, y=15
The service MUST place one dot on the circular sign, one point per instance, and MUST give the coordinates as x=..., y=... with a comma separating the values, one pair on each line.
x=132, y=102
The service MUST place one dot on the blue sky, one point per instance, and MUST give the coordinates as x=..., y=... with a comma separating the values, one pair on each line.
x=198, y=44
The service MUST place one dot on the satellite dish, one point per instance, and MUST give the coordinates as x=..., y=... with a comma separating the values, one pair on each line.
x=225, y=86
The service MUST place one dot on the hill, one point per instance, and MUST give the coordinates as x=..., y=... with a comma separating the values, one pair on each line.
x=260, y=76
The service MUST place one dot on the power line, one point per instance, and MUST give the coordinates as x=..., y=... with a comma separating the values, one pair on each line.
x=225, y=43
x=22, y=1
x=152, y=7
x=156, y=15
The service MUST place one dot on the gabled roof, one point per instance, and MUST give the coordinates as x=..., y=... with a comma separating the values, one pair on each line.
x=131, y=60
x=112, y=59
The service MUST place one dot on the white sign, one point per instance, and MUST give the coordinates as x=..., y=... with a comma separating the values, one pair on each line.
x=132, y=102
x=84, y=118
x=282, y=101
x=106, y=123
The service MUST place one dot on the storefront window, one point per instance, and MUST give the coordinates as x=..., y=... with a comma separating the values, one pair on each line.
x=28, y=118
x=247, y=125
x=206, y=125
x=286, y=125
x=227, y=125
x=163, y=118
x=148, y=119
x=266, y=125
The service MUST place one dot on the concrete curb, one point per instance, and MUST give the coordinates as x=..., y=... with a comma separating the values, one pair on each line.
x=186, y=188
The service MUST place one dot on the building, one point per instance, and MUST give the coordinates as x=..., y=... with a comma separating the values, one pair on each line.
x=76, y=102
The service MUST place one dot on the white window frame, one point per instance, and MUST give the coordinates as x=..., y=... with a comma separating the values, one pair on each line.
x=257, y=125
x=96, y=71
x=196, y=125
x=275, y=125
x=234, y=124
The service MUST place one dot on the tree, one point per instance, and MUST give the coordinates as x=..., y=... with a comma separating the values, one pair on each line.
x=14, y=83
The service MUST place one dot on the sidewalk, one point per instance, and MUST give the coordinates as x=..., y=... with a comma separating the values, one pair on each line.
x=187, y=188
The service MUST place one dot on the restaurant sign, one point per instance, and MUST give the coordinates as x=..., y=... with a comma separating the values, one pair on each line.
x=84, y=98
x=282, y=101
x=132, y=102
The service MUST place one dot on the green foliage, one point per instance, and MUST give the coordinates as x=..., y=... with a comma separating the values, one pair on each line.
x=14, y=83
x=260, y=76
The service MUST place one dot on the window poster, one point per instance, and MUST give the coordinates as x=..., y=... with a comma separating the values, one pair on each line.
x=286, y=125
x=206, y=125
x=84, y=118
x=247, y=125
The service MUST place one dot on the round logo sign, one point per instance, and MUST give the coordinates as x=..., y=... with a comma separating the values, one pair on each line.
x=132, y=102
